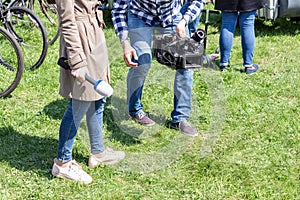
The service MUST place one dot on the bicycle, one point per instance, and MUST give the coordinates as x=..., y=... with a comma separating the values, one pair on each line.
x=47, y=13
x=28, y=30
x=49, y=10
x=11, y=63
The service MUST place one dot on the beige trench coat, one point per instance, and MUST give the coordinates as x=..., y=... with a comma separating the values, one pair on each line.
x=83, y=43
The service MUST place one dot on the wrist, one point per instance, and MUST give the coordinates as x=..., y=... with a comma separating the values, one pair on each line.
x=123, y=36
x=126, y=47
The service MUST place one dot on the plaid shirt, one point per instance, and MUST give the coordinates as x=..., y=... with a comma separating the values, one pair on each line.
x=150, y=11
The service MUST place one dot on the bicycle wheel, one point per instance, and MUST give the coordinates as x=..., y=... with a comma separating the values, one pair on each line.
x=51, y=20
x=47, y=14
x=55, y=37
x=31, y=34
x=49, y=10
x=11, y=63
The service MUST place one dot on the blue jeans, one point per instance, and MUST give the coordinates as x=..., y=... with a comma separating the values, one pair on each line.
x=140, y=35
x=246, y=22
x=71, y=122
x=192, y=27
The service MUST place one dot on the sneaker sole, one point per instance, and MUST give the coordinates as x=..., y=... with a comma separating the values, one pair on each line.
x=195, y=135
x=70, y=179
x=105, y=163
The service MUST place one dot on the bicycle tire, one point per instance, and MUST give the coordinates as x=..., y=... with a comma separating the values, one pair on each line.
x=45, y=7
x=11, y=63
x=50, y=11
x=56, y=36
x=31, y=34
x=48, y=14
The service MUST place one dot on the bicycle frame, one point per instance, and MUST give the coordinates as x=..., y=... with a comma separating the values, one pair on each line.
x=6, y=18
x=9, y=3
x=2, y=10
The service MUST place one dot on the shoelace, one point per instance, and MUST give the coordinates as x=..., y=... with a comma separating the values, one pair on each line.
x=141, y=115
x=109, y=150
x=75, y=167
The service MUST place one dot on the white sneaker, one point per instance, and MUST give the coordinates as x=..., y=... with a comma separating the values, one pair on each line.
x=72, y=171
x=109, y=156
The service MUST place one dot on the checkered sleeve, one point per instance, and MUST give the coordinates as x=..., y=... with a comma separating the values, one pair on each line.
x=193, y=10
x=119, y=15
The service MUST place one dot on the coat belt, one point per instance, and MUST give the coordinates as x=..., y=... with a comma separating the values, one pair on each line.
x=88, y=17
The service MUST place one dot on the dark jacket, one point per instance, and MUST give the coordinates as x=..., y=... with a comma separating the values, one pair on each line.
x=239, y=5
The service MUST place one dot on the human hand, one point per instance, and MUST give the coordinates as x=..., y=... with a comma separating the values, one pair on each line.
x=129, y=53
x=180, y=28
x=80, y=73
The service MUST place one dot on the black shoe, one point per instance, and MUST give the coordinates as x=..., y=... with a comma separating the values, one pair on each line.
x=224, y=68
x=185, y=128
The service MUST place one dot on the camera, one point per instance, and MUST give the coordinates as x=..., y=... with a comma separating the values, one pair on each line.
x=179, y=53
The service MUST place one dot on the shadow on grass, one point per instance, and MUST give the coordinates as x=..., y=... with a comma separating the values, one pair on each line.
x=56, y=109
x=27, y=152
x=121, y=129
x=126, y=130
x=282, y=26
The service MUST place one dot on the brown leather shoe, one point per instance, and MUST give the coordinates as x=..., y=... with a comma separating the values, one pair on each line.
x=185, y=128
x=143, y=119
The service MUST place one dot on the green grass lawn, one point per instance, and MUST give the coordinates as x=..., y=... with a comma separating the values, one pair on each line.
x=249, y=143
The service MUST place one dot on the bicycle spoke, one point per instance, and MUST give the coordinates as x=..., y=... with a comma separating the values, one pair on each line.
x=30, y=34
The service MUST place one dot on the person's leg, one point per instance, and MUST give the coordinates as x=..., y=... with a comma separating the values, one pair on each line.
x=99, y=154
x=68, y=128
x=140, y=38
x=182, y=95
x=94, y=121
x=183, y=83
x=229, y=20
x=246, y=21
x=64, y=166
